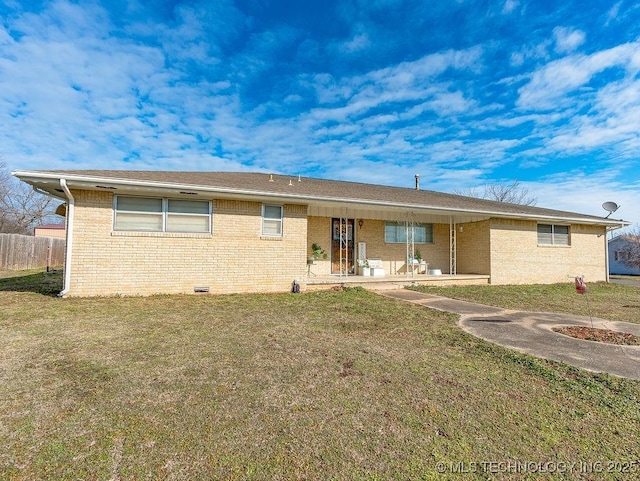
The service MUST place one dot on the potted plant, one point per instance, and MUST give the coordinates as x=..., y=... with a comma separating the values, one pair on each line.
x=419, y=261
x=363, y=268
x=317, y=252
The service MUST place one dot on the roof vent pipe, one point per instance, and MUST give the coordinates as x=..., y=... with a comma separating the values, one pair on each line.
x=417, y=181
x=270, y=177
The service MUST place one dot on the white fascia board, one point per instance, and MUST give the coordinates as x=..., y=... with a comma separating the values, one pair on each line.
x=88, y=181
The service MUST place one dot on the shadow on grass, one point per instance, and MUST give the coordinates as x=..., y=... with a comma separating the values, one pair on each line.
x=45, y=283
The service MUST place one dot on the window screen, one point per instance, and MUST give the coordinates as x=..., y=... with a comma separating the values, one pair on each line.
x=396, y=232
x=149, y=214
x=272, y=220
x=551, y=234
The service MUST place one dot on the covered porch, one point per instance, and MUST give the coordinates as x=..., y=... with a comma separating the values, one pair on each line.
x=389, y=246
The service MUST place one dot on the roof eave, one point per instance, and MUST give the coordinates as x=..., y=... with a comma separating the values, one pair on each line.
x=91, y=181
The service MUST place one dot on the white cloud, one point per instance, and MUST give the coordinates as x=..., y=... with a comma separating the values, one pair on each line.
x=577, y=191
x=109, y=101
x=413, y=82
x=613, y=121
x=510, y=6
x=613, y=12
x=538, y=51
x=549, y=85
x=357, y=43
x=567, y=40
x=517, y=59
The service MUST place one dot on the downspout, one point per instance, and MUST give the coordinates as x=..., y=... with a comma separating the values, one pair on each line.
x=69, y=239
x=606, y=253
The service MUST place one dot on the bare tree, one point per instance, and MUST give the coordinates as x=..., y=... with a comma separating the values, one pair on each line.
x=21, y=207
x=629, y=253
x=512, y=192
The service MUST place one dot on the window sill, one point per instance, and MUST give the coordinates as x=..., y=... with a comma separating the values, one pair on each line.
x=405, y=243
x=271, y=237
x=173, y=235
x=557, y=246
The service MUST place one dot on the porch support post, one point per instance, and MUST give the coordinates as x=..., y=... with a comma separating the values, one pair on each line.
x=341, y=241
x=452, y=246
x=409, y=231
x=344, y=243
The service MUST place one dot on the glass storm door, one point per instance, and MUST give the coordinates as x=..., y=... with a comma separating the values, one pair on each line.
x=342, y=246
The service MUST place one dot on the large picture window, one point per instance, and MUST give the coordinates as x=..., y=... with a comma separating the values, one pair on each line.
x=551, y=234
x=150, y=214
x=272, y=220
x=396, y=233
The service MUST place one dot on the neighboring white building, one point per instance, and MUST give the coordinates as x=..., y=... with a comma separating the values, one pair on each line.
x=617, y=254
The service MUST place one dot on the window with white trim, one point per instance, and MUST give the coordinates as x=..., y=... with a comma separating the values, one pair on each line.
x=552, y=234
x=396, y=233
x=272, y=220
x=151, y=214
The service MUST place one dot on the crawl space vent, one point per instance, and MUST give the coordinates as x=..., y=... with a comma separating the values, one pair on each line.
x=201, y=289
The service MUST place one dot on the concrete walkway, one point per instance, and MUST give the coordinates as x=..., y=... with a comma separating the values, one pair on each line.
x=531, y=332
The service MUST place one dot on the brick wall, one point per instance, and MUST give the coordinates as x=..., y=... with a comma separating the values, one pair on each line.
x=516, y=257
x=319, y=232
x=473, y=247
x=235, y=258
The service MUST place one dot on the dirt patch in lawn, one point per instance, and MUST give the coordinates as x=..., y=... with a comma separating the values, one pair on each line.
x=599, y=335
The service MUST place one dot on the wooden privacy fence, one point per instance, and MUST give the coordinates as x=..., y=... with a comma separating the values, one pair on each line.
x=18, y=252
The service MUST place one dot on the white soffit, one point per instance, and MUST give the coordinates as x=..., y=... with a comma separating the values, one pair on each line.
x=392, y=214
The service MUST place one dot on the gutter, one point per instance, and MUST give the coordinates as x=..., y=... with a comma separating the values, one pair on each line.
x=67, y=255
x=40, y=191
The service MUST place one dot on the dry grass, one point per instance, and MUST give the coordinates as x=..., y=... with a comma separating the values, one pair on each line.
x=607, y=301
x=328, y=385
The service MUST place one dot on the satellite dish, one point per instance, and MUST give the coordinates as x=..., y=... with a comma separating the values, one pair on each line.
x=610, y=207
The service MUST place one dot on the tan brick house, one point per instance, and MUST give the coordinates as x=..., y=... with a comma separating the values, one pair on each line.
x=146, y=232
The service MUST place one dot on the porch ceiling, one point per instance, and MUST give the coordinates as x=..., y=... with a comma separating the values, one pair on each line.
x=394, y=214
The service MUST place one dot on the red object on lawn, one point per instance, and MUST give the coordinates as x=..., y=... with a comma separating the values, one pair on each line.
x=581, y=287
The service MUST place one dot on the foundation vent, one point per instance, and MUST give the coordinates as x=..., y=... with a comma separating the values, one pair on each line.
x=201, y=289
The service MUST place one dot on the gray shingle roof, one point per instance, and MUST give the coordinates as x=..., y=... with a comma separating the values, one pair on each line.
x=319, y=190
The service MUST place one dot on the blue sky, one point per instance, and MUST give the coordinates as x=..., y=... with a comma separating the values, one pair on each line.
x=462, y=92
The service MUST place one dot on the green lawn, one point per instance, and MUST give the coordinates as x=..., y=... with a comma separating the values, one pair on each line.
x=327, y=385
x=607, y=301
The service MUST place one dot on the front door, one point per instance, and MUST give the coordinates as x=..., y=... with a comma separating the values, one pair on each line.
x=342, y=246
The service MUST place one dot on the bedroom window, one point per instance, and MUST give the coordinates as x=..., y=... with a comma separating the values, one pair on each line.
x=188, y=216
x=551, y=234
x=396, y=233
x=272, y=220
x=148, y=214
